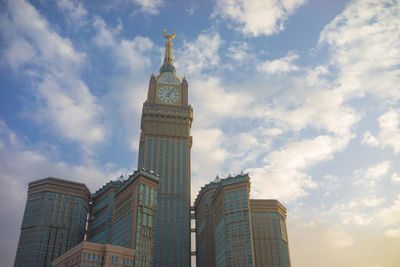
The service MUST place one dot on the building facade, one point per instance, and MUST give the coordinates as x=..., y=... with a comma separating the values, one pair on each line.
x=88, y=254
x=270, y=238
x=164, y=147
x=123, y=213
x=101, y=213
x=223, y=220
x=233, y=230
x=205, y=249
x=134, y=219
x=54, y=221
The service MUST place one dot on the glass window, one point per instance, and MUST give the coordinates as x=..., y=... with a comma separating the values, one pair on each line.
x=144, y=219
x=151, y=196
x=146, y=196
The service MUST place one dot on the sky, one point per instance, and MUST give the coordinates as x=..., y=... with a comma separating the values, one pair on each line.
x=302, y=94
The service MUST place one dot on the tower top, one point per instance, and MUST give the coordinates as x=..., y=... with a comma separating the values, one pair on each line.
x=168, y=65
x=169, y=37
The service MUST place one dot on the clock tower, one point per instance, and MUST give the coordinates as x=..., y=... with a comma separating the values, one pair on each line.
x=165, y=144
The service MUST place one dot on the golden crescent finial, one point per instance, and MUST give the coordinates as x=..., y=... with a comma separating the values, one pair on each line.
x=169, y=37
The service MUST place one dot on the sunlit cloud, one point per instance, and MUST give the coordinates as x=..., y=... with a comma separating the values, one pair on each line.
x=389, y=134
x=282, y=65
x=257, y=17
x=66, y=102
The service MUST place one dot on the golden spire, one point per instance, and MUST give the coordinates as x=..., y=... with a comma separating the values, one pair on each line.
x=168, y=65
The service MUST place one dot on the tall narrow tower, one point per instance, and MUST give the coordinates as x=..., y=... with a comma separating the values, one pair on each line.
x=165, y=144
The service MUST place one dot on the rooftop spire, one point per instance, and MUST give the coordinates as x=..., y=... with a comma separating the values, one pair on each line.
x=168, y=65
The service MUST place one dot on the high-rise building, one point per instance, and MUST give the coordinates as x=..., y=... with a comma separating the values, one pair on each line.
x=101, y=213
x=233, y=230
x=164, y=147
x=54, y=221
x=270, y=238
x=205, y=249
x=134, y=218
x=123, y=213
x=227, y=202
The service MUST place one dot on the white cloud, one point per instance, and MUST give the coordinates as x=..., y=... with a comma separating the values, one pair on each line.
x=18, y=53
x=372, y=175
x=395, y=178
x=214, y=102
x=273, y=131
x=284, y=177
x=200, y=54
x=72, y=112
x=282, y=65
x=149, y=6
x=74, y=9
x=105, y=36
x=389, y=134
x=64, y=101
x=395, y=233
x=390, y=216
x=129, y=83
x=256, y=17
x=238, y=51
x=369, y=139
x=377, y=171
x=365, y=47
x=358, y=211
x=208, y=156
x=320, y=108
x=130, y=53
x=372, y=202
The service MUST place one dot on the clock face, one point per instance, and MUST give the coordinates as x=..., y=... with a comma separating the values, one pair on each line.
x=168, y=94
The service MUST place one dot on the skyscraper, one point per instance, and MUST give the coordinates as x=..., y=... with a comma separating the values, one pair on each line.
x=270, y=238
x=227, y=223
x=123, y=213
x=165, y=144
x=135, y=207
x=233, y=230
x=54, y=221
x=101, y=213
x=205, y=247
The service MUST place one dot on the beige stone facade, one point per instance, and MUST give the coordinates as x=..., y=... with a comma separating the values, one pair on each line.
x=93, y=254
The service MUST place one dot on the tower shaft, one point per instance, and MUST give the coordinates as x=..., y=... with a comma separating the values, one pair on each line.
x=164, y=147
